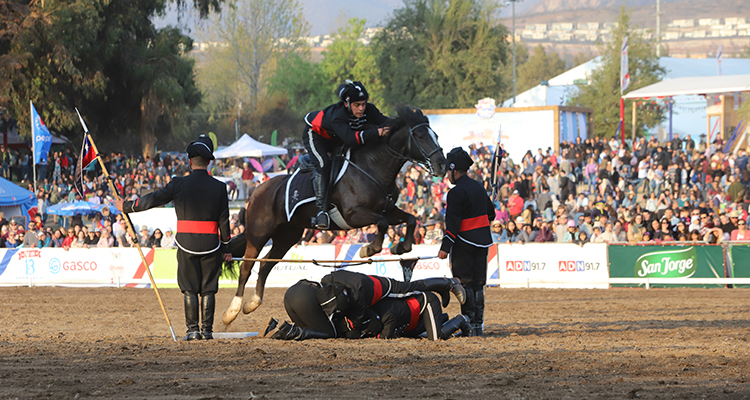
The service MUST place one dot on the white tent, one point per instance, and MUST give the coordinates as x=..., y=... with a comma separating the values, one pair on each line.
x=695, y=85
x=249, y=147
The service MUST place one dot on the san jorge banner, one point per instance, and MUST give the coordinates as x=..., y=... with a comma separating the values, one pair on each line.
x=667, y=264
x=666, y=261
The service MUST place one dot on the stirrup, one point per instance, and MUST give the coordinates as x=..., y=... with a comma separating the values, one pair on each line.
x=322, y=221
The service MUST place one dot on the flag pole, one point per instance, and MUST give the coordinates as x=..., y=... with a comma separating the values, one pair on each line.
x=131, y=231
x=33, y=145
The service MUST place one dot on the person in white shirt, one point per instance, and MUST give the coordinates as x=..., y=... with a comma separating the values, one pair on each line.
x=167, y=241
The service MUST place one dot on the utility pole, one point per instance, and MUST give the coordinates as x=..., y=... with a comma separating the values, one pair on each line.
x=658, y=29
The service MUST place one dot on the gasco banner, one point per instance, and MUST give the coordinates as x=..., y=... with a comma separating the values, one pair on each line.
x=102, y=267
x=552, y=265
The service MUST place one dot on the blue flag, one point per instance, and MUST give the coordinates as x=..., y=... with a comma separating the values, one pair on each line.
x=42, y=137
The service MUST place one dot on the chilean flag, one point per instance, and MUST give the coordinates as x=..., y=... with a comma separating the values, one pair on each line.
x=88, y=156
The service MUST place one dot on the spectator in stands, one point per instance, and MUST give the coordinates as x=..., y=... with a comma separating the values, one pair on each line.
x=80, y=241
x=105, y=240
x=167, y=242
x=91, y=239
x=511, y=232
x=145, y=236
x=496, y=229
x=741, y=233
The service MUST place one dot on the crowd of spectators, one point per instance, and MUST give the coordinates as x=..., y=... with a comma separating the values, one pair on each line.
x=589, y=191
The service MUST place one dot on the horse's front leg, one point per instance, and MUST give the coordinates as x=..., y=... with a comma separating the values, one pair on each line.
x=362, y=217
x=397, y=216
x=234, y=307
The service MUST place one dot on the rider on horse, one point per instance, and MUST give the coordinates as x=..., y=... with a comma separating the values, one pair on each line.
x=351, y=121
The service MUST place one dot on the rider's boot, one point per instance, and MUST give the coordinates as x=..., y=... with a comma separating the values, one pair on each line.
x=192, y=315
x=208, y=305
x=479, y=314
x=289, y=331
x=458, y=322
x=444, y=287
x=320, y=183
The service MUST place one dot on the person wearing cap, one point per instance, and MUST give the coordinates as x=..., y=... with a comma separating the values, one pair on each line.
x=352, y=121
x=467, y=236
x=167, y=241
x=202, y=207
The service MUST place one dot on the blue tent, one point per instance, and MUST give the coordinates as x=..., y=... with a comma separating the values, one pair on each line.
x=16, y=201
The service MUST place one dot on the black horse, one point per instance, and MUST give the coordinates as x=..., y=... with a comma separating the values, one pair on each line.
x=364, y=195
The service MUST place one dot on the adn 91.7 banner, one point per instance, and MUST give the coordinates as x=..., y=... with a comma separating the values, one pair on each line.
x=552, y=265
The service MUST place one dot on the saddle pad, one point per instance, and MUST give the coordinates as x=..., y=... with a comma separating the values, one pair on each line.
x=299, y=188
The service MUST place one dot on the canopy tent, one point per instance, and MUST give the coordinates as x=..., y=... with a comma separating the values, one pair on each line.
x=249, y=147
x=79, y=207
x=714, y=85
x=16, y=201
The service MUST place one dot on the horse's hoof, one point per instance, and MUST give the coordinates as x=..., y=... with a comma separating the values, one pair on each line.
x=231, y=313
x=397, y=249
x=367, y=251
x=252, y=305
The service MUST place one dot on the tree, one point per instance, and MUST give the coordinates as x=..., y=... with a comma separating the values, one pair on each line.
x=442, y=54
x=255, y=35
x=522, y=55
x=602, y=93
x=539, y=67
x=347, y=58
x=131, y=81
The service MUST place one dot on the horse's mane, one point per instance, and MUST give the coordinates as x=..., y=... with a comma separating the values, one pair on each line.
x=407, y=116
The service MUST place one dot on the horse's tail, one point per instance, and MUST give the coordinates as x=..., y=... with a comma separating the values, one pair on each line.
x=237, y=247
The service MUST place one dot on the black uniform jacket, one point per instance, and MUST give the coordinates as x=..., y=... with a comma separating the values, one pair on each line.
x=468, y=215
x=202, y=209
x=362, y=290
x=336, y=122
x=400, y=315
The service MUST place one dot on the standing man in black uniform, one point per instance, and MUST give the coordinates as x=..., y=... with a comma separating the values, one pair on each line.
x=343, y=122
x=202, y=207
x=467, y=234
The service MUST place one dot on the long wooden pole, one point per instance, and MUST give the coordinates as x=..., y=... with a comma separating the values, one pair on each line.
x=131, y=231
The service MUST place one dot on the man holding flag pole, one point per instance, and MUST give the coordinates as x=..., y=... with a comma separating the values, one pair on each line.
x=89, y=154
x=202, y=207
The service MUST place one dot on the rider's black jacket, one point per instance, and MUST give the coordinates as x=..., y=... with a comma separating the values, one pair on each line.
x=336, y=122
x=468, y=214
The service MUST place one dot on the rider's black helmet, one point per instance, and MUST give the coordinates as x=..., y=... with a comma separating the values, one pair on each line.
x=352, y=91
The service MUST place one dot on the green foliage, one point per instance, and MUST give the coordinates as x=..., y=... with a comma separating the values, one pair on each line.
x=347, y=58
x=539, y=67
x=442, y=54
x=131, y=82
x=302, y=84
x=522, y=56
x=603, y=91
x=259, y=35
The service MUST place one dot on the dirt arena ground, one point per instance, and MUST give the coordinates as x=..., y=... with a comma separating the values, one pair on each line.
x=64, y=343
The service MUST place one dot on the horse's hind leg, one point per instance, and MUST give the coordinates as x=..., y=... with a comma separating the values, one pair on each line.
x=247, y=266
x=283, y=240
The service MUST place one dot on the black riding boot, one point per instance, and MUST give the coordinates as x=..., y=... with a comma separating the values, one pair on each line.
x=208, y=305
x=478, y=321
x=458, y=322
x=289, y=331
x=469, y=308
x=192, y=316
x=444, y=287
x=320, y=185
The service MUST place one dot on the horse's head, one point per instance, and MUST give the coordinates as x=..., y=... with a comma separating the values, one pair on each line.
x=422, y=144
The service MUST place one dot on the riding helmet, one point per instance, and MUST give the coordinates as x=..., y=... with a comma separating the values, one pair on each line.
x=458, y=159
x=350, y=92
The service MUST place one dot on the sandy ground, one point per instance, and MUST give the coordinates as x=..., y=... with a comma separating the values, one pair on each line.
x=539, y=344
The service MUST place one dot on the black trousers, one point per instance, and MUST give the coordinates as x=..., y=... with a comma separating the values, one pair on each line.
x=318, y=148
x=469, y=265
x=198, y=274
x=303, y=308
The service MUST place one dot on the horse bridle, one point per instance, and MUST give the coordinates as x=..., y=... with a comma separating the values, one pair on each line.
x=427, y=163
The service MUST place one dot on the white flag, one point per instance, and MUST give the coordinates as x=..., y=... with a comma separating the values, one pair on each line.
x=624, y=73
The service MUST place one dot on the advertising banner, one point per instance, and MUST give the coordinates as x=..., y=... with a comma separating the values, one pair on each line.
x=739, y=267
x=552, y=265
x=101, y=267
x=676, y=261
